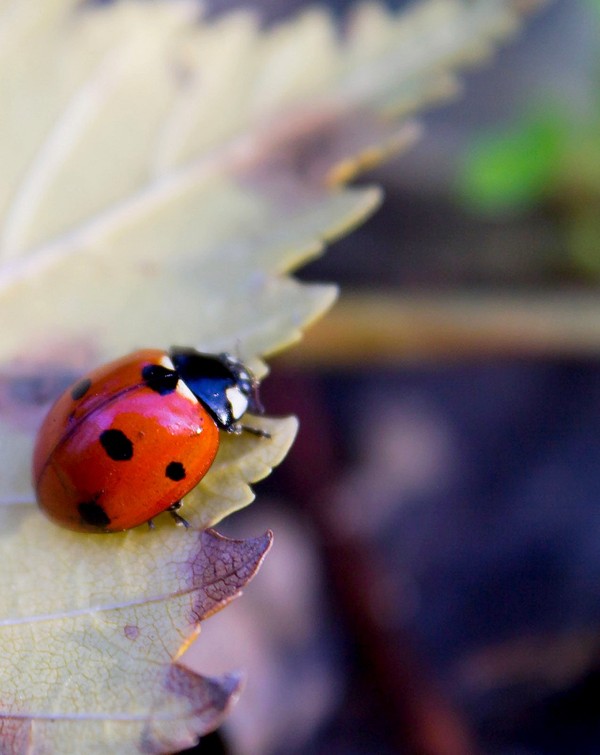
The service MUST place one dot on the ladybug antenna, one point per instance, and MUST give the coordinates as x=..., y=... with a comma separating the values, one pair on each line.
x=255, y=402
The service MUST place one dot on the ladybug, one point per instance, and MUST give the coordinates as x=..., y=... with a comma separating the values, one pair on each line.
x=133, y=437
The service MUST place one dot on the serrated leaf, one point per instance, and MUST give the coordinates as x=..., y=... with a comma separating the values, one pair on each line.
x=162, y=176
x=225, y=488
x=96, y=662
x=175, y=171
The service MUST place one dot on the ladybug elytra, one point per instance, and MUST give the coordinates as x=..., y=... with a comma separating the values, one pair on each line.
x=130, y=439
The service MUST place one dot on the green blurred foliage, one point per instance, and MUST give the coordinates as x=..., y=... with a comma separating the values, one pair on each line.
x=515, y=169
x=549, y=159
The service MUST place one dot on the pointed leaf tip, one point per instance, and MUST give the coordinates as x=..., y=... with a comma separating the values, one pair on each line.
x=221, y=567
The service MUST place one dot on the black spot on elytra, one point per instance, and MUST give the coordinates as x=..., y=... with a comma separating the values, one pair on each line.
x=117, y=445
x=80, y=389
x=93, y=514
x=175, y=471
x=160, y=379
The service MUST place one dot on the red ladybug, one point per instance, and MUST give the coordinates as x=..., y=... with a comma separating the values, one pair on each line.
x=130, y=439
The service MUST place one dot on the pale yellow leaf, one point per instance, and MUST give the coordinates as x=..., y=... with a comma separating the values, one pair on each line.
x=162, y=177
x=88, y=633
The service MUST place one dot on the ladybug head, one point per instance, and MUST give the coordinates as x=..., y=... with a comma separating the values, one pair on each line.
x=224, y=385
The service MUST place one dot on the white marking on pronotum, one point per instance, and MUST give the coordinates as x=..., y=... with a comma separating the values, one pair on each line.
x=167, y=362
x=185, y=392
x=182, y=388
x=237, y=401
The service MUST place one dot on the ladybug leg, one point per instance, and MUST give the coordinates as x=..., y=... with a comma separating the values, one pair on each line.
x=173, y=509
x=180, y=520
x=238, y=429
x=256, y=431
x=151, y=524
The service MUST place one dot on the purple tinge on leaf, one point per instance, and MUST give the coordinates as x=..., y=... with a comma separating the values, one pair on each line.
x=299, y=154
x=220, y=568
x=15, y=734
x=208, y=700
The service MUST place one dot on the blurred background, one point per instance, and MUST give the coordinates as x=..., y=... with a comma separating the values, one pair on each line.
x=434, y=584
